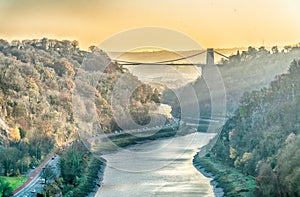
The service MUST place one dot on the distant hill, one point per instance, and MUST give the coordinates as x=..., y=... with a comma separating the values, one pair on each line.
x=161, y=55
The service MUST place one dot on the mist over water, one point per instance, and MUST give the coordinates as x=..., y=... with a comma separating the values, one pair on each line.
x=170, y=169
x=165, y=75
x=171, y=76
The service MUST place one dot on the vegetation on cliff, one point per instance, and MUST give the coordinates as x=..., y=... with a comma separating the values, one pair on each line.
x=262, y=138
x=37, y=82
x=247, y=70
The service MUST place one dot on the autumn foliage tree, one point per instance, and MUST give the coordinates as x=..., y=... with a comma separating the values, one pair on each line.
x=14, y=134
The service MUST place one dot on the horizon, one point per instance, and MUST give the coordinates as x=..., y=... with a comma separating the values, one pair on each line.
x=151, y=49
x=227, y=24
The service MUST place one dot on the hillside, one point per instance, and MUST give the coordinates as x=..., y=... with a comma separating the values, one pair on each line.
x=37, y=82
x=262, y=138
x=163, y=54
x=248, y=70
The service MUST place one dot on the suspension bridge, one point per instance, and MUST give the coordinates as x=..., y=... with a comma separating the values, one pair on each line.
x=210, y=60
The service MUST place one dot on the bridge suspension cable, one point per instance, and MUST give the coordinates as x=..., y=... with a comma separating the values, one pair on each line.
x=221, y=54
x=160, y=62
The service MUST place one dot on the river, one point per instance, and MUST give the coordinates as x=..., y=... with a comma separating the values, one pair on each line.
x=161, y=167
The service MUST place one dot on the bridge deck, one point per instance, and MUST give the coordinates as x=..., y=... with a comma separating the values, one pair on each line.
x=158, y=64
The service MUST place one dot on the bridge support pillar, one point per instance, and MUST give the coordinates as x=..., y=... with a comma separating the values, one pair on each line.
x=210, y=60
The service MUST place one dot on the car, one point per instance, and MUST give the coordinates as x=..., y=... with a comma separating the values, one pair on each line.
x=33, y=191
x=43, y=181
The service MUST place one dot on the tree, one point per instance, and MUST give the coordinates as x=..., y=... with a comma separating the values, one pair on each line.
x=45, y=43
x=287, y=48
x=16, y=43
x=275, y=50
x=288, y=168
x=53, y=189
x=93, y=49
x=263, y=51
x=9, y=158
x=73, y=163
x=14, y=134
x=75, y=44
x=63, y=67
x=252, y=51
x=3, y=44
x=48, y=173
x=267, y=184
x=5, y=189
x=156, y=96
x=40, y=144
x=22, y=133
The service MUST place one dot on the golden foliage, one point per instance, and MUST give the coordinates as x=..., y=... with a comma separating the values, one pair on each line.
x=32, y=85
x=231, y=134
x=232, y=153
x=14, y=134
x=246, y=157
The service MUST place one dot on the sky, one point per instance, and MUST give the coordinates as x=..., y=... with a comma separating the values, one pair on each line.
x=211, y=23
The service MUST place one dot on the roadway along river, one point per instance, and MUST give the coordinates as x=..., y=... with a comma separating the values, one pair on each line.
x=157, y=168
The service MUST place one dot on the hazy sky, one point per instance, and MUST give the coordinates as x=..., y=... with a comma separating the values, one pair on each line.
x=212, y=23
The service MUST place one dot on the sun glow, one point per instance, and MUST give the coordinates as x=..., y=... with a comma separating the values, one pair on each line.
x=212, y=23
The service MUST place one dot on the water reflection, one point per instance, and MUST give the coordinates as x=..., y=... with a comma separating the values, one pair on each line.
x=161, y=168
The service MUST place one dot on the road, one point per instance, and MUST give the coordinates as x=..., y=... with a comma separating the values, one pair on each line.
x=35, y=184
x=32, y=183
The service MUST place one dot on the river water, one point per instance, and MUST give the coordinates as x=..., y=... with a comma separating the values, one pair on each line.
x=160, y=167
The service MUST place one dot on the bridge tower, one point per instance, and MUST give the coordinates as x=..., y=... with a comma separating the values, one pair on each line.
x=210, y=60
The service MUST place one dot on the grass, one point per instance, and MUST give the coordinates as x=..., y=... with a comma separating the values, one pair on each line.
x=14, y=182
x=233, y=182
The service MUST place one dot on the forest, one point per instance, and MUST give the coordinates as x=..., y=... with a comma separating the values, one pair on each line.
x=247, y=70
x=262, y=138
x=37, y=82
